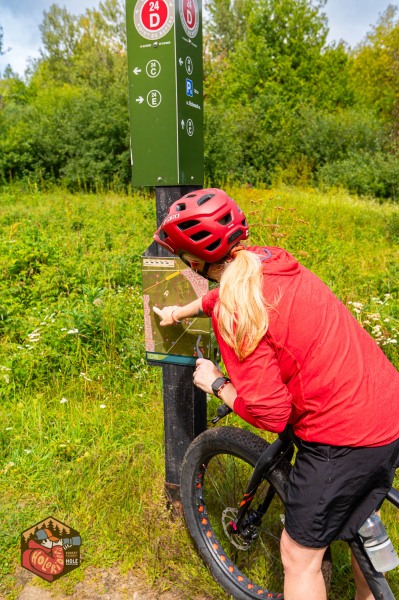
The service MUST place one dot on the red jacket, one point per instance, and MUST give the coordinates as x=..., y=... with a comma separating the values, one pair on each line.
x=316, y=368
x=42, y=561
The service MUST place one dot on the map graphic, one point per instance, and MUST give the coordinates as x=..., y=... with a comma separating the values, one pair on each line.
x=167, y=282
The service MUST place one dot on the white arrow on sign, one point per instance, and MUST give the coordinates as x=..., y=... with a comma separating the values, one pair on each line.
x=140, y=99
x=136, y=70
x=180, y=61
x=182, y=123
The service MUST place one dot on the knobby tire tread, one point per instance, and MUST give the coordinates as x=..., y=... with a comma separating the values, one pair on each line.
x=247, y=446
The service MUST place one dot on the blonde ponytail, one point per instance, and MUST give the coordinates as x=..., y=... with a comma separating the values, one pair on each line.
x=242, y=312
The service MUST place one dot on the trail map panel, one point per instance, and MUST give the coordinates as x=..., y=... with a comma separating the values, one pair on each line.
x=168, y=281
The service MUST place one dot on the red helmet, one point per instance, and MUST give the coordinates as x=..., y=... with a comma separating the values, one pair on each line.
x=205, y=223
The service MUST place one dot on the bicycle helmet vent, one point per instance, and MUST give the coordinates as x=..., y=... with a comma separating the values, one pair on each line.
x=206, y=223
x=204, y=199
x=187, y=225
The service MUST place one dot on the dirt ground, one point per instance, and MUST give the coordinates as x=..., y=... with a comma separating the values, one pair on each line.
x=98, y=584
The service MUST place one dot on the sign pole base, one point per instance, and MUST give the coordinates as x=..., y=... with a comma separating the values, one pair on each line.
x=185, y=415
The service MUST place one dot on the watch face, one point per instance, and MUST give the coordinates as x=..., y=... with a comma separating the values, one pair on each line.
x=217, y=384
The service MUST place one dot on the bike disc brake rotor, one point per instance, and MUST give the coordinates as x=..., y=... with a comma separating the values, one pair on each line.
x=229, y=515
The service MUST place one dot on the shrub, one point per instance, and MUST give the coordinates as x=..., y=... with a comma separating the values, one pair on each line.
x=365, y=174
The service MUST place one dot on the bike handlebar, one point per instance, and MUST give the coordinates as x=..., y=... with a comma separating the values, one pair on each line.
x=222, y=411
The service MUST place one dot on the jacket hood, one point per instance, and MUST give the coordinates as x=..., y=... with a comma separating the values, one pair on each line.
x=276, y=261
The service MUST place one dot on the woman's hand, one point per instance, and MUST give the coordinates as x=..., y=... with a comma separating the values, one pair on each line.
x=170, y=315
x=205, y=374
x=166, y=314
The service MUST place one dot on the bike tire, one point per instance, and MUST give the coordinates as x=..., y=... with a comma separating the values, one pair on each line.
x=215, y=472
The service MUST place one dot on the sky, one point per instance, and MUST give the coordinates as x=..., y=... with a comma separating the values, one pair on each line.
x=349, y=20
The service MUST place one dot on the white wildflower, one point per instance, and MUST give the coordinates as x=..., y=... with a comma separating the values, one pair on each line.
x=72, y=331
x=63, y=400
x=27, y=451
x=103, y=406
x=85, y=377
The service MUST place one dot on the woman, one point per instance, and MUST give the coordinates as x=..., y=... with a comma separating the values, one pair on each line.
x=295, y=355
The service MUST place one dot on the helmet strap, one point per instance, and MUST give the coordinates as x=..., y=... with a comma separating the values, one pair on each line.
x=204, y=273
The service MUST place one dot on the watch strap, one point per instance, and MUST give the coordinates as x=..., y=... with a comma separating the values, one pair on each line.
x=219, y=384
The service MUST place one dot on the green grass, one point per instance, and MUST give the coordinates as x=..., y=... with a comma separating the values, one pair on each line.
x=81, y=412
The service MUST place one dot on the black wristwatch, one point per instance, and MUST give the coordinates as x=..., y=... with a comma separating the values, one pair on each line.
x=219, y=384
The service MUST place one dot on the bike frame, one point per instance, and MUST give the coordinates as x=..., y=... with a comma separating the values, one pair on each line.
x=281, y=448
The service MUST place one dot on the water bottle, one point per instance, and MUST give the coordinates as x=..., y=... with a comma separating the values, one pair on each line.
x=377, y=544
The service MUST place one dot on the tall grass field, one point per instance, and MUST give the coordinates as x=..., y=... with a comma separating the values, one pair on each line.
x=81, y=413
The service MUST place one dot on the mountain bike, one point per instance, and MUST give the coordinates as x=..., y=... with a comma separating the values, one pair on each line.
x=233, y=490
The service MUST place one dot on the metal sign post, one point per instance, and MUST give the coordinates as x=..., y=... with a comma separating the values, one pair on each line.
x=166, y=119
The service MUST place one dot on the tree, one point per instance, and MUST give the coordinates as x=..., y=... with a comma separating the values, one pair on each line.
x=262, y=72
x=375, y=69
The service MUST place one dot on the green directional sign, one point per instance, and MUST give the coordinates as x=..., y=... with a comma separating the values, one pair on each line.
x=165, y=91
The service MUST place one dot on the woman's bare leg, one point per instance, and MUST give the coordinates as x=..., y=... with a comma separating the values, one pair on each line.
x=302, y=570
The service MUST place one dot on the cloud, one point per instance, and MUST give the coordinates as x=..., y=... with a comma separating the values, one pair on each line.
x=20, y=20
x=351, y=20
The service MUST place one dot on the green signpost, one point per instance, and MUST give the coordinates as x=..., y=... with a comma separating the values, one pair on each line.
x=165, y=91
x=164, y=39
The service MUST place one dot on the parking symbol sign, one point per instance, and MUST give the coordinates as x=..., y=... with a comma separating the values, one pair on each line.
x=189, y=87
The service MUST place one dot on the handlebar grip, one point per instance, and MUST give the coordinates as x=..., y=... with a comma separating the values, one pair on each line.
x=223, y=410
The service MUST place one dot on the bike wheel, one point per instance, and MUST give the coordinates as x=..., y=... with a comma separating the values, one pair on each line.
x=215, y=472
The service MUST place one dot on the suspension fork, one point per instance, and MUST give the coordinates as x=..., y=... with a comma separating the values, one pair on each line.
x=281, y=448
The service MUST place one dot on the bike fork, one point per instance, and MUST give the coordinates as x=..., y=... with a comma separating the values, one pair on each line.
x=279, y=449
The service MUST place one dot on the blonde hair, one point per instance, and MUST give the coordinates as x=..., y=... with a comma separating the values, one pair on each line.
x=241, y=311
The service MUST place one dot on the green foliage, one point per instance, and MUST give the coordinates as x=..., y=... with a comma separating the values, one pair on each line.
x=375, y=68
x=70, y=121
x=287, y=99
x=367, y=174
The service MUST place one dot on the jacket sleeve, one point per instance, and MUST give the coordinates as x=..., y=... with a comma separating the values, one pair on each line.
x=209, y=301
x=263, y=399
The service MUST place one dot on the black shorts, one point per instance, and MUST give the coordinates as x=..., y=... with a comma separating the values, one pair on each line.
x=333, y=489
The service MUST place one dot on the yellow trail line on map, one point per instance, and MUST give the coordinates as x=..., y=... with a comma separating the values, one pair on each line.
x=162, y=280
